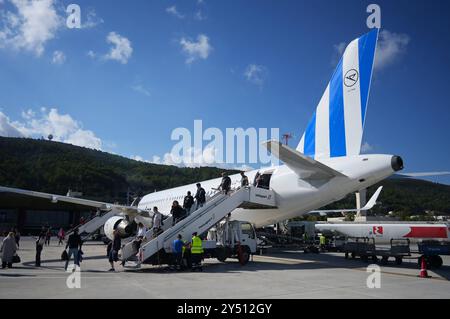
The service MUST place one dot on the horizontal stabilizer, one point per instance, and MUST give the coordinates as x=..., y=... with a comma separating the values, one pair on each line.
x=303, y=166
x=372, y=201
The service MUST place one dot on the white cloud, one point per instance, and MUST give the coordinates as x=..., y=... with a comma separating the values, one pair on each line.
x=173, y=11
x=34, y=23
x=338, y=52
x=138, y=158
x=366, y=147
x=199, y=16
x=91, y=20
x=194, y=158
x=121, y=50
x=141, y=89
x=340, y=48
x=390, y=47
x=84, y=138
x=29, y=114
x=58, y=57
x=256, y=74
x=91, y=54
x=196, y=50
x=62, y=126
x=7, y=128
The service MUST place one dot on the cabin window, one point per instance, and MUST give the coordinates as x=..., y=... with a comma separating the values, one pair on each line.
x=248, y=230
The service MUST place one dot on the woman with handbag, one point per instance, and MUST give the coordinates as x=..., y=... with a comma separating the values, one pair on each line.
x=9, y=249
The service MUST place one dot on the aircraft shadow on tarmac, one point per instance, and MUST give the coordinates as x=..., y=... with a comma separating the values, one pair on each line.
x=15, y=275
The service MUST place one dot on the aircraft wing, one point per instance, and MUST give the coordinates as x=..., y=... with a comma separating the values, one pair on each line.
x=128, y=210
x=301, y=164
x=372, y=201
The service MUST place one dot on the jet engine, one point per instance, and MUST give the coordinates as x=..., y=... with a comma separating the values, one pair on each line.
x=119, y=223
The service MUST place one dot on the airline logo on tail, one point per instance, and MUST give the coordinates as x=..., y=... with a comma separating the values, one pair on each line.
x=336, y=127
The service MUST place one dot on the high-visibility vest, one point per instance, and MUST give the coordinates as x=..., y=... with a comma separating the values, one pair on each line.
x=322, y=240
x=183, y=249
x=196, y=245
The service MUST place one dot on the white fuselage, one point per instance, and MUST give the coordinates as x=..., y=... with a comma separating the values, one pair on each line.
x=293, y=196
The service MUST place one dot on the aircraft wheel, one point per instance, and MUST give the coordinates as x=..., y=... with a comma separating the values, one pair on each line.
x=222, y=255
x=398, y=260
x=436, y=261
x=245, y=255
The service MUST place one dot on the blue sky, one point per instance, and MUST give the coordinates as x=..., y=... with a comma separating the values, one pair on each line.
x=136, y=70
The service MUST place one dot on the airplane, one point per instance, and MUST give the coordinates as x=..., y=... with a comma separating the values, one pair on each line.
x=325, y=167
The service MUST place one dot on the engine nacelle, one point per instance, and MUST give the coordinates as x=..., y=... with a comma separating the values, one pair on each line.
x=119, y=223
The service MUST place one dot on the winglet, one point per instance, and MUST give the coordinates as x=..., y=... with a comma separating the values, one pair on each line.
x=373, y=200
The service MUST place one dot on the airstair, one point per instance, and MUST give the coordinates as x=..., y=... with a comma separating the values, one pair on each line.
x=200, y=221
x=94, y=224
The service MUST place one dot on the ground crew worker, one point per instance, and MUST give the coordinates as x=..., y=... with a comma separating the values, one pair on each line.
x=305, y=237
x=177, y=251
x=322, y=241
x=196, y=252
x=186, y=254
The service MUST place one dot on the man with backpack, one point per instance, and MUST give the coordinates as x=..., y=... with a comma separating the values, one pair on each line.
x=200, y=196
x=188, y=202
x=225, y=186
x=74, y=244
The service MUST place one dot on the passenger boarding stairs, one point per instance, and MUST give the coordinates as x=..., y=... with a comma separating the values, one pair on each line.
x=200, y=221
x=91, y=226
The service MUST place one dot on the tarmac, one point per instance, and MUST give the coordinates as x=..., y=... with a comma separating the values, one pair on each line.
x=277, y=274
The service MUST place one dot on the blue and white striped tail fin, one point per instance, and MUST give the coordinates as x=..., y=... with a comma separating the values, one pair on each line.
x=336, y=127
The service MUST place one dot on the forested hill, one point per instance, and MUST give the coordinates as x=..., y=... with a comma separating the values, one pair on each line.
x=406, y=197
x=55, y=167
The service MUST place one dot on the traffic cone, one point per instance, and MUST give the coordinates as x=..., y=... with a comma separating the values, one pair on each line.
x=423, y=269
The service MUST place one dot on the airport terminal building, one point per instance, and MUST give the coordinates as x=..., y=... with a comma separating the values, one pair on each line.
x=30, y=214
